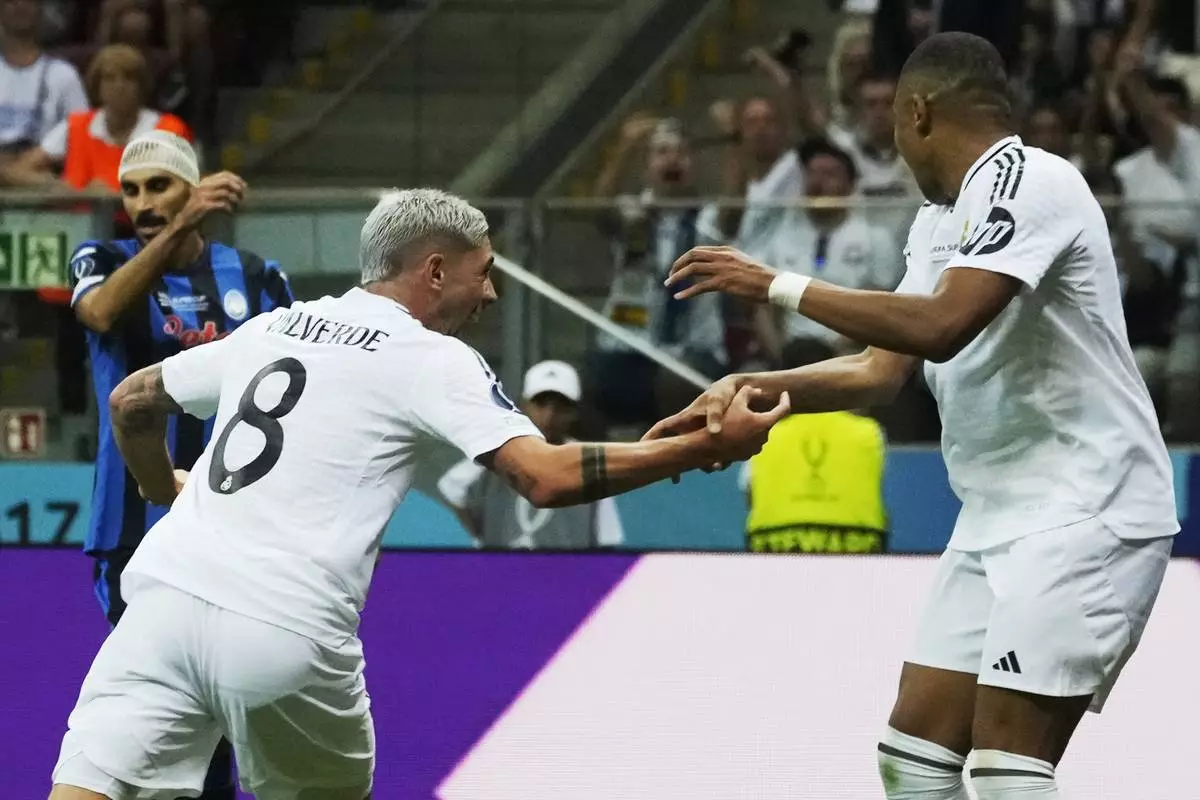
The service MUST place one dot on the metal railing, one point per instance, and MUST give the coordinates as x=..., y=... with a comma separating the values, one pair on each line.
x=555, y=259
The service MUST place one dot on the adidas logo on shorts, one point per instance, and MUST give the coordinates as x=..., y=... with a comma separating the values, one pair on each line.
x=1008, y=663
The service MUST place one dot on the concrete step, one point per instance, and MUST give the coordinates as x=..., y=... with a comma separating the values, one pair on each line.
x=376, y=158
x=494, y=48
x=384, y=109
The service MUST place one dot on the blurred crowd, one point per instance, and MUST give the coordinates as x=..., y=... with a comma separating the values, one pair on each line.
x=1106, y=84
x=79, y=78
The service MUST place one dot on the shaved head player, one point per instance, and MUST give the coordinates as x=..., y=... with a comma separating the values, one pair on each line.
x=244, y=600
x=1011, y=299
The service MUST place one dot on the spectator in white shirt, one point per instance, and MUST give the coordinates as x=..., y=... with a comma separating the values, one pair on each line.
x=496, y=516
x=1168, y=171
x=760, y=165
x=648, y=232
x=832, y=242
x=36, y=91
x=882, y=173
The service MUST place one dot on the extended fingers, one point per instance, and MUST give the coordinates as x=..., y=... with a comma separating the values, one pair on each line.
x=697, y=255
x=716, y=405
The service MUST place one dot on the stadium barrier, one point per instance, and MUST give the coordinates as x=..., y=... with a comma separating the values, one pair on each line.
x=592, y=677
x=49, y=504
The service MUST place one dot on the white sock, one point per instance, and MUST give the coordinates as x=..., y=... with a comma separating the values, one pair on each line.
x=914, y=769
x=997, y=775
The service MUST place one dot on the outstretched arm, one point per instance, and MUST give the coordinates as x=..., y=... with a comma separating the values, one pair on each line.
x=139, y=408
x=933, y=327
x=870, y=378
x=563, y=475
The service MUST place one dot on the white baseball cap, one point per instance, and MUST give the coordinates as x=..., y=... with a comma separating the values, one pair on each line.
x=161, y=150
x=552, y=376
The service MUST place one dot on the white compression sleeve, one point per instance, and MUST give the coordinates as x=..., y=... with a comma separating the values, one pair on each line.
x=997, y=775
x=914, y=769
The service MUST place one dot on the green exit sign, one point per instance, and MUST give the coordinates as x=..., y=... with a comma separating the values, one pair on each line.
x=33, y=259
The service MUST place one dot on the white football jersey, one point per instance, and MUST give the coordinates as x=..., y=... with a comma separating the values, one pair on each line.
x=322, y=412
x=1045, y=418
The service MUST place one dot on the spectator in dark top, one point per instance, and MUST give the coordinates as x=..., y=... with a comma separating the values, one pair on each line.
x=900, y=25
x=1152, y=276
x=1105, y=110
x=1037, y=76
x=998, y=21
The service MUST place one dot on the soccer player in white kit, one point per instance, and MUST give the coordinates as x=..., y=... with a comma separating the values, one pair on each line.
x=244, y=599
x=1011, y=299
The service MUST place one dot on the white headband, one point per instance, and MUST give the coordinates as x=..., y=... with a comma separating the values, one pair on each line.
x=164, y=151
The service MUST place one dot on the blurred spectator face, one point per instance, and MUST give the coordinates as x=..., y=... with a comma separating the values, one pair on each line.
x=553, y=415
x=1032, y=42
x=1102, y=46
x=826, y=176
x=21, y=19
x=153, y=198
x=133, y=27
x=854, y=61
x=761, y=130
x=1048, y=131
x=1174, y=101
x=669, y=162
x=875, y=114
x=921, y=20
x=117, y=78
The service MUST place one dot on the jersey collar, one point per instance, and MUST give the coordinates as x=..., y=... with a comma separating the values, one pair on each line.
x=378, y=298
x=988, y=155
x=201, y=263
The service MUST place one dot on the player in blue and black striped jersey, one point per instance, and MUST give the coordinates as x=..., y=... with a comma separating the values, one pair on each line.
x=143, y=300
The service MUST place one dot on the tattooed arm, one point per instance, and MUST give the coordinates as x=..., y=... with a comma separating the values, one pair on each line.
x=569, y=474
x=139, y=408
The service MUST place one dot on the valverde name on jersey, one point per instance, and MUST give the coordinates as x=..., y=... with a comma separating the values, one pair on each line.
x=314, y=330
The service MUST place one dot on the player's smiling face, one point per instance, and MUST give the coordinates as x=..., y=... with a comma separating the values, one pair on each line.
x=152, y=198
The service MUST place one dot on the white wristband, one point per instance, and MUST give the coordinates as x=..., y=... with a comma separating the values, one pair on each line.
x=786, y=289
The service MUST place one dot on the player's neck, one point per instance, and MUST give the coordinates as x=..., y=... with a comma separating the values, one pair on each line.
x=408, y=297
x=970, y=147
x=19, y=53
x=188, y=253
x=827, y=220
x=120, y=123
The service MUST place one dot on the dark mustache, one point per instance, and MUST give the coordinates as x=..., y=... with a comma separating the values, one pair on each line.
x=148, y=219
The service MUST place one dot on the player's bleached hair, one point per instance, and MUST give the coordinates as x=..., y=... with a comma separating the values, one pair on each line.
x=410, y=218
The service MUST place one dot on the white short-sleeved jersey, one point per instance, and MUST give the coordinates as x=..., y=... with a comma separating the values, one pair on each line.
x=1045, y=419
x=324, y=411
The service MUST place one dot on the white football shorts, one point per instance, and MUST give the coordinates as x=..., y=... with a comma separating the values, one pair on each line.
x=1056, y=613
x=177, y=673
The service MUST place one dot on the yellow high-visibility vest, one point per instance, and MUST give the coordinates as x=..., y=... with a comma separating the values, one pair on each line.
x=817, y=487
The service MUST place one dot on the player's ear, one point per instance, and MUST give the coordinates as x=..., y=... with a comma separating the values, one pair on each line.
x=435, y=270
x=922, y=114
